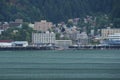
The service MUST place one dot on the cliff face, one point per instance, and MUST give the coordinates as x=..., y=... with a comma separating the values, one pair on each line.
x=56, y=10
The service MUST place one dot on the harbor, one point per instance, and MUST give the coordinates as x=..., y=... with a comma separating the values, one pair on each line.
x=60, y=65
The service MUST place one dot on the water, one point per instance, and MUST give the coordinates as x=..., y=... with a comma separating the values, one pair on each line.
x=60, y=65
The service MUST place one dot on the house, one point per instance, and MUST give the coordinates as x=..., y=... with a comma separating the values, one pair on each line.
x=14, y=24
x=4, y=26
x=17, y=23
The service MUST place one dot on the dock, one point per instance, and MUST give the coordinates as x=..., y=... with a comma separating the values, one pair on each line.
x=95, y=47
x=24, y=48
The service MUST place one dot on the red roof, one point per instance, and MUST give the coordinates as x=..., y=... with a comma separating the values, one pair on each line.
x=5, y=40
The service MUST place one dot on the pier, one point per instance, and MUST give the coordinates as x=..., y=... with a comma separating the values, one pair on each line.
x=24, y=48
x=95, y=47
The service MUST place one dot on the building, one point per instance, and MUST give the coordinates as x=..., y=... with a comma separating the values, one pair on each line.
x=10, y=43
x=63, y=43
x=109, y=31
x=82, y=38
x=43, y=26
x=20, y=44
x=113, y=39
x=16, y=23
x=72, y=35
x=43, y=38
x=19, y=21
x=5, y=43
x=4, y=26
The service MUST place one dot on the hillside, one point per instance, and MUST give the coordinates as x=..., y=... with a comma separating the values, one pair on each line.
x=56, y=10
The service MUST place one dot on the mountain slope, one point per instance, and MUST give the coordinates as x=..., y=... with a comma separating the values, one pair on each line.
x=55, y=10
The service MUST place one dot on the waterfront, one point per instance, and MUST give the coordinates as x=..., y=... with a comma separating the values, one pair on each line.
x=60, y=65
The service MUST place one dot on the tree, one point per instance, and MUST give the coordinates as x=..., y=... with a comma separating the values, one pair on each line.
x=18, y=34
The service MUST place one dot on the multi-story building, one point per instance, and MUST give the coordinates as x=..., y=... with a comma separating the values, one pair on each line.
x=82, y=38
x=43, y=38
x=109, y=31
x=43, y=26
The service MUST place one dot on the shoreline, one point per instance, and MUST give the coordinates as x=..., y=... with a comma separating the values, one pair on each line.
x=85, y=47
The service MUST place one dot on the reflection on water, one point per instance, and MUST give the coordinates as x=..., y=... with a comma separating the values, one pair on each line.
x=60, y=65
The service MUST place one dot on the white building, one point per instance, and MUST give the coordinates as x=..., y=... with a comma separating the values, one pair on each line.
x=112, y=39
x=115, y=36
x=9, y=43
x=82, y=38
x=20, y=44
x=5, y=43
x=63, y=43
x=109, y=31
x=43, y=38
x=72, y=35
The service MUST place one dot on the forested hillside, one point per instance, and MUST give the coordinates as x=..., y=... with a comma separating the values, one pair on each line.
x=56, y=10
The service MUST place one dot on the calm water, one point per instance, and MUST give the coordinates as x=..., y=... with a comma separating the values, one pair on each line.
x=60, y=65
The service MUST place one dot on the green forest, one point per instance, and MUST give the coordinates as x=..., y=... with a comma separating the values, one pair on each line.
x=57, y=10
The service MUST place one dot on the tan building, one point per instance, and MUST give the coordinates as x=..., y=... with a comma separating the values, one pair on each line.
x=43, y=26
x=109, y=31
